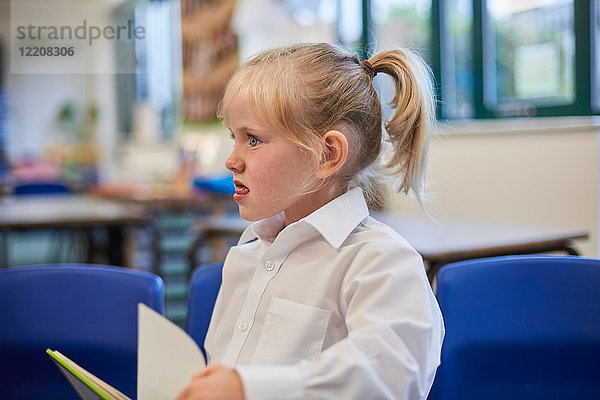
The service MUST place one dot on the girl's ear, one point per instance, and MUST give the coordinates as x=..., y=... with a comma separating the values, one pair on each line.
x=335, y=154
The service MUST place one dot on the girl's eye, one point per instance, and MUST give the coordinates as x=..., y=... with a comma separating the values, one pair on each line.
x=254, y=141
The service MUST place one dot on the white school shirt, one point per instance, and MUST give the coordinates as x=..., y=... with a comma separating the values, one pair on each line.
x=334, y=306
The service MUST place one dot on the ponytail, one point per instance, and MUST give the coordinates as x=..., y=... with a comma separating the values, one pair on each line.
x=413, y=119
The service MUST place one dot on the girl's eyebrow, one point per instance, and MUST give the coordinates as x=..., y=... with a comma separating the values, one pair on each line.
x=258, y=130
x=249, y=130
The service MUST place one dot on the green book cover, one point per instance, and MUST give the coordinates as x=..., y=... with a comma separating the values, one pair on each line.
x=87, y=386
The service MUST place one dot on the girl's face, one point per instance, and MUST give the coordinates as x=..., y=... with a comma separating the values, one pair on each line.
x=269, y=172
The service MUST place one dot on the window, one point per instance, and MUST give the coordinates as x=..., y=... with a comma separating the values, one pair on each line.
x=531, y=58
x=499, y=58
x=155, y=62
x=528, y=56
x=456, y=49
x=402, y=23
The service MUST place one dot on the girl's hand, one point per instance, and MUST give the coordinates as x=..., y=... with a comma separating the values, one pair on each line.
x=215, y=382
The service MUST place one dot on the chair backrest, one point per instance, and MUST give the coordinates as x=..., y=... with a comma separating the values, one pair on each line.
x=204, y=288
x=520, y=327
x=22, y=189
x=87, y=312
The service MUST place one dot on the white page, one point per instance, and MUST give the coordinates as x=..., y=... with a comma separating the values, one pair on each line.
x=167, y=356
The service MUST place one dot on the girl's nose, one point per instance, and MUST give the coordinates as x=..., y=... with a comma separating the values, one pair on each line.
x=234, y=163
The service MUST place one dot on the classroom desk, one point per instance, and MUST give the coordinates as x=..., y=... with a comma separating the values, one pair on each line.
x=451, y=240
x=74, y=212
x=442, y=242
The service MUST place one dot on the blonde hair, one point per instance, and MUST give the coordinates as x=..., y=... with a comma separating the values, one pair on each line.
x=303, y=91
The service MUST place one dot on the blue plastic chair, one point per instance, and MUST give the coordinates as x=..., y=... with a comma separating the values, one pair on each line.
x=32, y=188
x=86, y=312
x=204, y=288
x=520, y=327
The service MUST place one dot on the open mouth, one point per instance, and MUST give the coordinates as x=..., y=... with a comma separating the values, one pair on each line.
x=241, y=191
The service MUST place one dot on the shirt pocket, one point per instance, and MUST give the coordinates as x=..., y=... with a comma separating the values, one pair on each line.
x=292, y=332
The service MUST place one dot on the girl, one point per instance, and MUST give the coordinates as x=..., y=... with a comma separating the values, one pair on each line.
x=318, y=299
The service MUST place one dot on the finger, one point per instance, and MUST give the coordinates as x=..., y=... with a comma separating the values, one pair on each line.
x=208, y=370
x=183, y=395
x=201, y=374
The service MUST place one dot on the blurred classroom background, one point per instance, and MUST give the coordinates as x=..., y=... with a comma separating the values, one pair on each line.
x=134, y=120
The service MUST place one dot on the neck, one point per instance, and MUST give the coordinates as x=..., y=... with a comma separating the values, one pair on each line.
x=310, y=203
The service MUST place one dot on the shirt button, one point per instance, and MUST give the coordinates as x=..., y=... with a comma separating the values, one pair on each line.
x=269, y=265
x=243, y=326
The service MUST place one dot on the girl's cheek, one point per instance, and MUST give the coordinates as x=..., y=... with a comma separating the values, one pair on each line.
x=262, y=176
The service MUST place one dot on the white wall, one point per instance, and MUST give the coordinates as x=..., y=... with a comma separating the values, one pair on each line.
x=540, y=171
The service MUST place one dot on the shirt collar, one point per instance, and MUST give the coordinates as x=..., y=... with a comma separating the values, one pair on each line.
x=334, y=221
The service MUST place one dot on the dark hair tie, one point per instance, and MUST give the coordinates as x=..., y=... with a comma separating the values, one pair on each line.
x=368, y=67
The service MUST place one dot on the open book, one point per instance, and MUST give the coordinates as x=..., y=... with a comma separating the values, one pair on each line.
x=167, y=359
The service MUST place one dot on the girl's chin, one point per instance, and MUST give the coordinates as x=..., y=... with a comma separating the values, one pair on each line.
x=248, y=215
x=255, y=215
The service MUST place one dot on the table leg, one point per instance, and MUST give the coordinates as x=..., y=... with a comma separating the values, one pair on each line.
x=3, y=248
x=570, y=250
x=433, y=269
x=116, y=238
x=89, y=245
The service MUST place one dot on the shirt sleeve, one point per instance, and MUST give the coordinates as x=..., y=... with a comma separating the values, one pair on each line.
x=392, y=350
